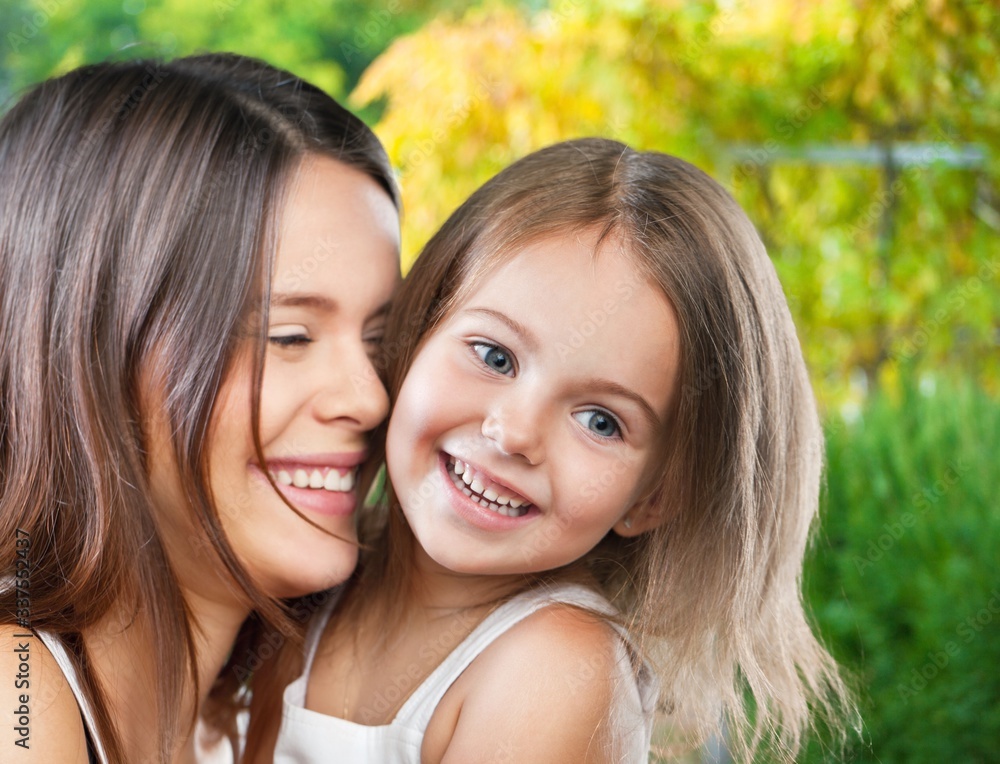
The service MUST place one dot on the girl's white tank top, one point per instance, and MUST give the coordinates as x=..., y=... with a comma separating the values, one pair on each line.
x=308, y=736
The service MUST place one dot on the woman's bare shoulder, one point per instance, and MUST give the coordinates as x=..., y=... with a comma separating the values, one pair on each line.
x=43, y=720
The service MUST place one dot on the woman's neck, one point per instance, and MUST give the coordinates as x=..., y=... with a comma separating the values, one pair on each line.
x=122, y=649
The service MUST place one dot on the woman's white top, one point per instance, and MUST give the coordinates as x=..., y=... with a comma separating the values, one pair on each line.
x=58, y=650
x=218, y=753
x=309, y=736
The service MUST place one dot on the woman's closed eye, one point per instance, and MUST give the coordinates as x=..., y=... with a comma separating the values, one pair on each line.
x=603, y=424
x=373, y=340
x=289, y=336
x=495, y=357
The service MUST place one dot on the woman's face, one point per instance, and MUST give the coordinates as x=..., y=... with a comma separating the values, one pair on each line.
x=336, y=270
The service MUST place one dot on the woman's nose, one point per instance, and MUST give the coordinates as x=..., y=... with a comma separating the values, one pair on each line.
x=353, y=391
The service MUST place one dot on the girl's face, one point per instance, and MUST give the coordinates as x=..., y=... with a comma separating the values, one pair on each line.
x=524, y=425
x=336, y=270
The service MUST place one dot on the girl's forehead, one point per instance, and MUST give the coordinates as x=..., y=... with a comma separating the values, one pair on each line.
x=597, y=242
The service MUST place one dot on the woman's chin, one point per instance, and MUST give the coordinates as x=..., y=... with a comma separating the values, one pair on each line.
x=301, y=586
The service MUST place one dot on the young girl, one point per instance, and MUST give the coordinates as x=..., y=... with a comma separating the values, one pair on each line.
x=604, y=458
x=195, y=263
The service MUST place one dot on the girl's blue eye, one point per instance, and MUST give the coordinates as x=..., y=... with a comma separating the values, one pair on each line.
x=498, y=359
x=599, y=422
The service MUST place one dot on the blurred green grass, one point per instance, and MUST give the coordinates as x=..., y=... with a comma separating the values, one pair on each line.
x=904, y=581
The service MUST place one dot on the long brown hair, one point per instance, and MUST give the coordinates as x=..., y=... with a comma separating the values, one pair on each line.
x=714, y=593
x=138, y=213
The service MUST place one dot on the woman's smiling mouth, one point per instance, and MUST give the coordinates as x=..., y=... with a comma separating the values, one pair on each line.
x=325, y=478
x=320, y=483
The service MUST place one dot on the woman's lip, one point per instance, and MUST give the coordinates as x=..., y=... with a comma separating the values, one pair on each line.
x=322, y=502
x=340, y=460
x=476, y=515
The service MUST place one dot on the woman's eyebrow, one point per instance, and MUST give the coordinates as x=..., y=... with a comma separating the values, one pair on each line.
x=515, y=326
x=303, y=300
x=320, y=303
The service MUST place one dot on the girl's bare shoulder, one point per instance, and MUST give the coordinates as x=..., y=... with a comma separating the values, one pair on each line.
x=38, y=702
x=543, y=691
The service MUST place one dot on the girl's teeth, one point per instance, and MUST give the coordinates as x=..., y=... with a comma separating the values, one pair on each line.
x=283, y=477
x=300, y=479
x=473, y=487
x=316, y=479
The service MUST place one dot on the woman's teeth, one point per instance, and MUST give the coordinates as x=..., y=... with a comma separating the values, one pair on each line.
x=484, y=492
x=327, y=479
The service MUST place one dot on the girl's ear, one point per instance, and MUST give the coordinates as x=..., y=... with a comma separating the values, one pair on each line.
x=644, y=516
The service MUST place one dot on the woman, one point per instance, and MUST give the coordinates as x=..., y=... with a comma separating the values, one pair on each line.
x=195, y=262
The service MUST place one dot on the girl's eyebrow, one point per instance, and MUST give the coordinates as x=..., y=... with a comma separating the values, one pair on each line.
x=595, y=384
x=515, y=326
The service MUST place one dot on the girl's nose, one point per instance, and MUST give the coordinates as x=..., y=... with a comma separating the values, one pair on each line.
x=352, y=391
x=515, y=430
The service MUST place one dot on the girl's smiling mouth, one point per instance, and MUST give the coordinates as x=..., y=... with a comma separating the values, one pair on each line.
x=482, y=489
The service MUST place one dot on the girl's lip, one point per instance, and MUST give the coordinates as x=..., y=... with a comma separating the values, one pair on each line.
x=490, y=476
x=476, y=515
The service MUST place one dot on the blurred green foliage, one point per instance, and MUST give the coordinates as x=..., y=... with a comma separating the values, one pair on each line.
x=904, y=581
x=329, y=42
